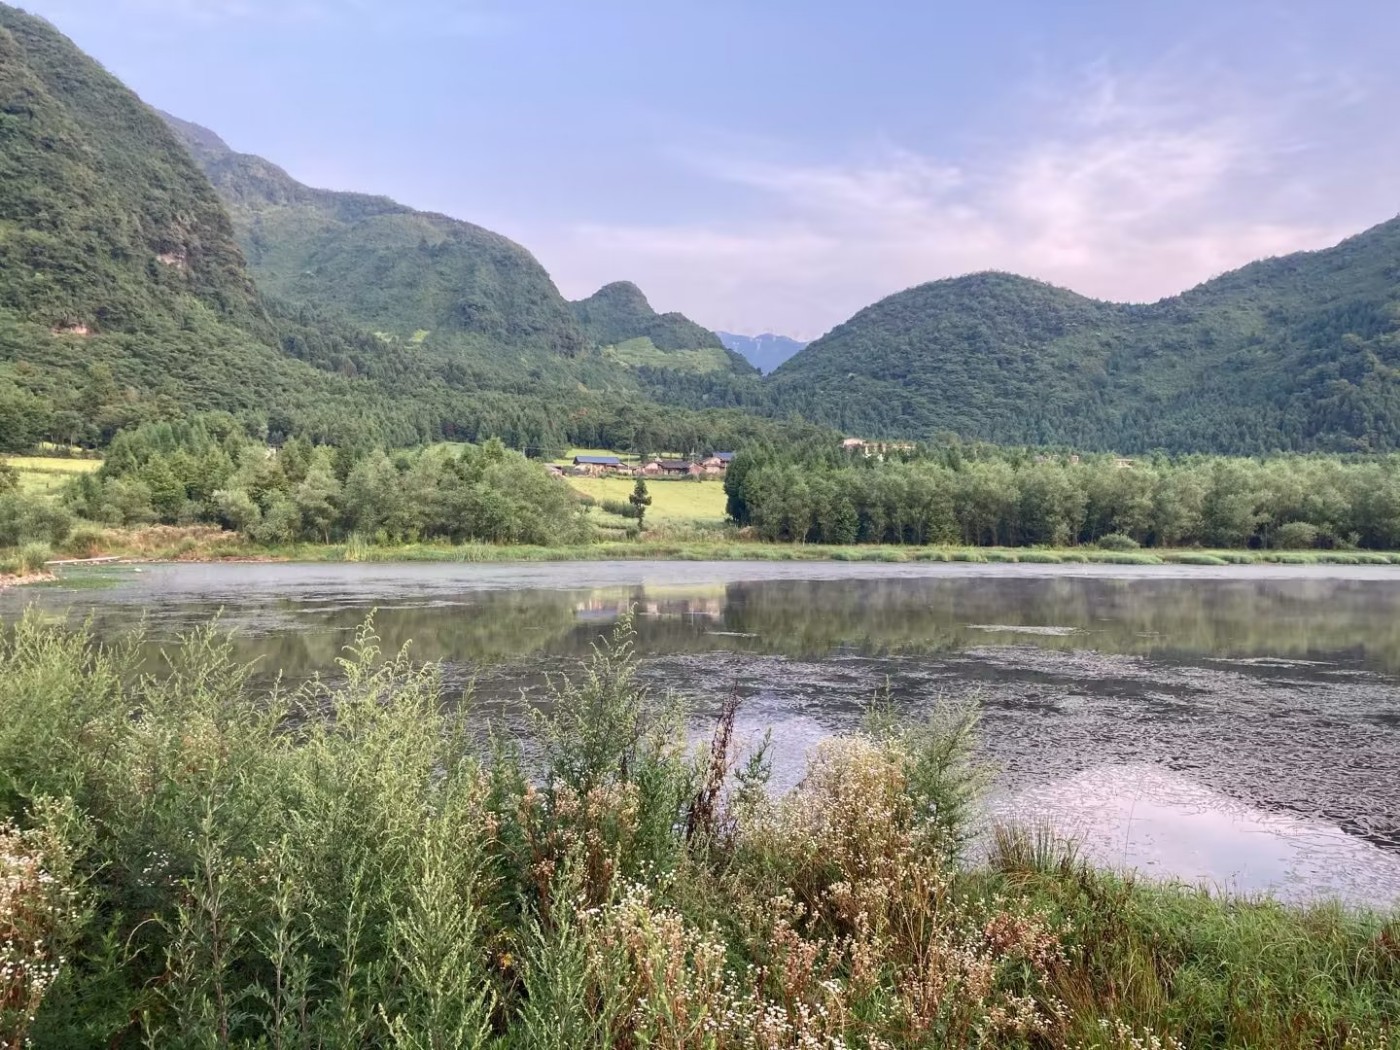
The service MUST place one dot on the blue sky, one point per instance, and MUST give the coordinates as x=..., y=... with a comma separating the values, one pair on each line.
x=778, y=164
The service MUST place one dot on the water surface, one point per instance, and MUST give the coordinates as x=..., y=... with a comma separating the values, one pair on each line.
x=1250, y=714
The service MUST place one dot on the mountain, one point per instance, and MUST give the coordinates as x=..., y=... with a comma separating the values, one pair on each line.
x=618, y=318
x=123, y=293
x=1299, y=352
x=414, y=276
x=765, y=352
x=477, y=303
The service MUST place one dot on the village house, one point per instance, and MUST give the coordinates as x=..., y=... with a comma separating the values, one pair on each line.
x=717, y=462
x=591, y=466
x=679, y=468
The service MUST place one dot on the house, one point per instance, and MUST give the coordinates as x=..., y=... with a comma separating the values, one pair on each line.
x=678, y=468
x=652, y=468
x=592, y=465
x=717, y=462
x=554, y=472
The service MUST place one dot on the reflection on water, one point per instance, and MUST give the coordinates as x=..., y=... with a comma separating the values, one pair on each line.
x=1273, y=687
x=1143, y=818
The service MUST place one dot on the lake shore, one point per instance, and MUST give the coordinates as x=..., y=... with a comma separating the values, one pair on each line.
x=205, y=544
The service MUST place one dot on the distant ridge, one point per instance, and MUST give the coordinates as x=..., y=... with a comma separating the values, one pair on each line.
x=765, y=352
x=1294, y=353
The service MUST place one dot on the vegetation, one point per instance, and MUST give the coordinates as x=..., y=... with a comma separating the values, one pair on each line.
x=191, y=861
x=618, y=315
x=640, y=500
x=1296, y=353
x=997, y=497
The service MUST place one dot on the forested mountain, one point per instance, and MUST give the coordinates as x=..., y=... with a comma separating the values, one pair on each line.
x=125, y=297
x=1299, y=352
x=413, y=276
x=619, y=318
x=122, y=290
x=765, y=352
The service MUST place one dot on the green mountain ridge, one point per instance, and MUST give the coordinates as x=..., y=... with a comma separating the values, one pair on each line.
x=449, y=287
x=1294, y=353
x=619, y=318
x=123, y=293
x=383, y=264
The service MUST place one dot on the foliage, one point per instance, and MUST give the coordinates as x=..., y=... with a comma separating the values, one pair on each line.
x=191, y=860
x=210, y=472
x=1295, y=353
x=969, y=495
x=640, y=499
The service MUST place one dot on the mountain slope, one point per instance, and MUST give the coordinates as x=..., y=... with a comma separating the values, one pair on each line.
x=123, y=294
x=104, y=221
x=410, y=274
x=765, y=352
x=1300, y=352
x=619, y=318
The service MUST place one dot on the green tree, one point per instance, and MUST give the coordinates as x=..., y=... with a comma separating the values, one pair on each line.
x=641, y=499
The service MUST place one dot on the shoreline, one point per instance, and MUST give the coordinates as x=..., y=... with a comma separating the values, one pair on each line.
x=202, y=548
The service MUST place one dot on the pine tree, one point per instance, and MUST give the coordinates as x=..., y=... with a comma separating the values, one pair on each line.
x=641, y=499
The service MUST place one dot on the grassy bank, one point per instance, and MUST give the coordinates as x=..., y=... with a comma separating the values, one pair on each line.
x=190, y=862
x=207, y=543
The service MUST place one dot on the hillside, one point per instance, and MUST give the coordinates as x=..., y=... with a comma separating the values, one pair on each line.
x=765, y=352
x=618, y=318
x=416, y=277
x=123, y=293
x=1299, y=352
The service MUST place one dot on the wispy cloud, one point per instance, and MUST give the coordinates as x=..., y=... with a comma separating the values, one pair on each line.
x=1126, y=189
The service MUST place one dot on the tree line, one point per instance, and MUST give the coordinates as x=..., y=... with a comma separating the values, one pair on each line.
x=990, y=497
x=211, y=471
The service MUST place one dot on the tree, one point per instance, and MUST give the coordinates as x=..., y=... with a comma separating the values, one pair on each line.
x=641, y=499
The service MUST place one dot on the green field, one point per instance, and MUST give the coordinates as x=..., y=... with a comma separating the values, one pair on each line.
x=43, y=474
x=679, y=501
x=642, y=352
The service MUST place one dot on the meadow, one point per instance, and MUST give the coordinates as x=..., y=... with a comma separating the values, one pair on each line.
x=45, y=475
x=673, y=501
x=189, y=859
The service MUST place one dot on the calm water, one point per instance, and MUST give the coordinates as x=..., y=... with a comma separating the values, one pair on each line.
x=1239, y=726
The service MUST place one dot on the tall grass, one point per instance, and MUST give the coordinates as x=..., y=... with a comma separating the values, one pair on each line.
x=189, y=861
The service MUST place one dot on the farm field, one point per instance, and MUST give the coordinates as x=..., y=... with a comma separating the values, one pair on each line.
x=683, y=500
x=44, y=474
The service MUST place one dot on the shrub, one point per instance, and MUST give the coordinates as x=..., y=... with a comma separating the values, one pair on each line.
x=1296, y=536
x=85, y=541
x=621, y=508
x=34, y=556
x=1117, y=541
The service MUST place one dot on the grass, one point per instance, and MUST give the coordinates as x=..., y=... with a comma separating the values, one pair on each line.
x=191, y=860
x=643, y=353
x=41, y=475
x=680, y=501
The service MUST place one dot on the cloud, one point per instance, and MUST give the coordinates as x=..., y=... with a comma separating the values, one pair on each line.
x=1125, y=189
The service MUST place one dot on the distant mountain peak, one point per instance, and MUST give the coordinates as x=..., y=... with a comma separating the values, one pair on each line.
x=765, y=352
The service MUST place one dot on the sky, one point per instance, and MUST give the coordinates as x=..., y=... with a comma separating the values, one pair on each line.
x=775, y=165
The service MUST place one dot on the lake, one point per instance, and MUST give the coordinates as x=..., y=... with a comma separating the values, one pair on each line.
x=1237, y=726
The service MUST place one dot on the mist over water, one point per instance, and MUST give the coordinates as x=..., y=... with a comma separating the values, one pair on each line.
x=1238, y=726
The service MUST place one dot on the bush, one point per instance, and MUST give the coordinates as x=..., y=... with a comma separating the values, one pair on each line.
x=85, y=541
x=621, y=508
x=1296, y=536
x=1117, y=541
x=33, y=557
